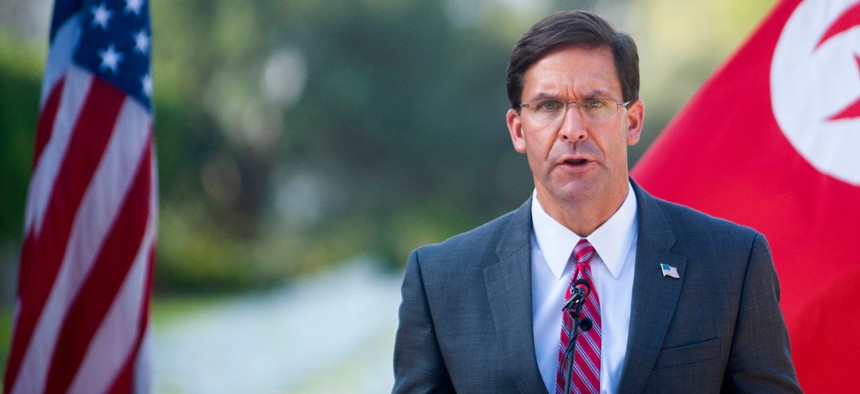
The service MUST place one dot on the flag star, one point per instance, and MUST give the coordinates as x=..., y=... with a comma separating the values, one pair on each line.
x=146, y=81
x=853, y=109
x=101, y=16
x=110, y=59
x=133, y=6
x=141, y=42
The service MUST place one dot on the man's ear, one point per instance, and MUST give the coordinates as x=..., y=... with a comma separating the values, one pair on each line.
x=515, y=128
x=635, y=120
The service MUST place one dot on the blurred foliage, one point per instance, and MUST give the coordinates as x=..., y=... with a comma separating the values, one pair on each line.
x=19, y=101
x=295, y=134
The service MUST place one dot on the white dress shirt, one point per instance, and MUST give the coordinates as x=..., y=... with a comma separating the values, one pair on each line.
x=612, y=272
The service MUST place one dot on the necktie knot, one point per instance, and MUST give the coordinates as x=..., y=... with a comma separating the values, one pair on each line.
x=583, y=251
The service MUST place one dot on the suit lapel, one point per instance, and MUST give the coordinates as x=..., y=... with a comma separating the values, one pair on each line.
x=508, y=285
x=654, y=296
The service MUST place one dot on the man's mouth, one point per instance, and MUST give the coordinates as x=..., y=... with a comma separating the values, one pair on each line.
x=576, y=162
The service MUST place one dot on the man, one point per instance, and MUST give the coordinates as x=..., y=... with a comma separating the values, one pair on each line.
x=667, y=299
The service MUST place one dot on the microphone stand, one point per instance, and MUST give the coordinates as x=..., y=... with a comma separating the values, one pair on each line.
x=573, y=309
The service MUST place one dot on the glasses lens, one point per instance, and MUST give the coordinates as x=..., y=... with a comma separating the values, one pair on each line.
x=547, y=110
x=596, y=109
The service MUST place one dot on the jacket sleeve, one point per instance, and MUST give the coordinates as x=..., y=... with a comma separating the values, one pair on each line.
x=418, y=363
x=760, y=359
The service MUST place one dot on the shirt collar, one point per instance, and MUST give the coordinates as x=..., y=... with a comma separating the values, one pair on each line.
x=612, y=241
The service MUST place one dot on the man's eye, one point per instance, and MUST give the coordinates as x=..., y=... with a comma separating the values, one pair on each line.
x=550, y=105
x=592, y=104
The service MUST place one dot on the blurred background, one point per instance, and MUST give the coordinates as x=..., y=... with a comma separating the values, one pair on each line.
x=306, y=147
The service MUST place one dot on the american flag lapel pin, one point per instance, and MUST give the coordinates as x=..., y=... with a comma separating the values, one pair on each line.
x=669, y=271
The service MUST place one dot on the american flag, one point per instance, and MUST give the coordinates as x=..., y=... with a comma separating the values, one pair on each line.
x=669, y=271
x=82, y=312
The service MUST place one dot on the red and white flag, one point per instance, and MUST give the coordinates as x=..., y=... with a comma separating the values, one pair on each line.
x=772, y=140
x=82, y=312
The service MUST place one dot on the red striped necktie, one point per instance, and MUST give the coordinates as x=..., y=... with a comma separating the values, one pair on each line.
x=586, y=356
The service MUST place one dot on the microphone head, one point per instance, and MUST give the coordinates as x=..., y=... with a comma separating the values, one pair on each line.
x=583, y=287
x=578, y=291
x=585, y=324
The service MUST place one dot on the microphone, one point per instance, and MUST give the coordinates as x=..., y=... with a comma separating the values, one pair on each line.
x=581, y=287
x=578, y=293
x=585, y=324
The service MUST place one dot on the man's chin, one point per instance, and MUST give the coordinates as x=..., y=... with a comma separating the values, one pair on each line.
x=576, y=192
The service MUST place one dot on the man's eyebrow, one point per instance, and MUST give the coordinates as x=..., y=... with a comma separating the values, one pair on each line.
x=543, y=95
x=594, y=93
x=598, y=93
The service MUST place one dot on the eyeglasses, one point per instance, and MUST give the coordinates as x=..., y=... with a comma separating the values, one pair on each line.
x=546, y=110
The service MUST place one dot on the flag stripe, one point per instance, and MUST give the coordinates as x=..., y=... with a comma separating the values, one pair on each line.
x=48, y=247
x=45, y=125
x=97, y=292
x=20, y=330
x=133, y=329
x=76, y=87
x=59, y=55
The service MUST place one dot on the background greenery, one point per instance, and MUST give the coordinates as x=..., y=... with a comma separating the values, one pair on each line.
x=294, y=134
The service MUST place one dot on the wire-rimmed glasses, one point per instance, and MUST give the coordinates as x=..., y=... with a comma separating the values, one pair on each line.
x=549, y=110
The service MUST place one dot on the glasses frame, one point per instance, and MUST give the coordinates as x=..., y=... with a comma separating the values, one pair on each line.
x=567, y=104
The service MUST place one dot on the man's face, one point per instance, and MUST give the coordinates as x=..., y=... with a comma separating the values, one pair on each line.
x=575, y=159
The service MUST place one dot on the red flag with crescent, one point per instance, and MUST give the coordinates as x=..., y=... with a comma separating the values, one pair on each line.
x=772, y=141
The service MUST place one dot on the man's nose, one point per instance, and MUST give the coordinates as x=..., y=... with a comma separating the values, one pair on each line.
x=573, y=124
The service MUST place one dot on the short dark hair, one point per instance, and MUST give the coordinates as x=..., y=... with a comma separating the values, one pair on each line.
x=573, y=28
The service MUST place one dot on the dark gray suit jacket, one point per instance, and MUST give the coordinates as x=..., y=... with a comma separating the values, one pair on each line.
x=466, y=317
